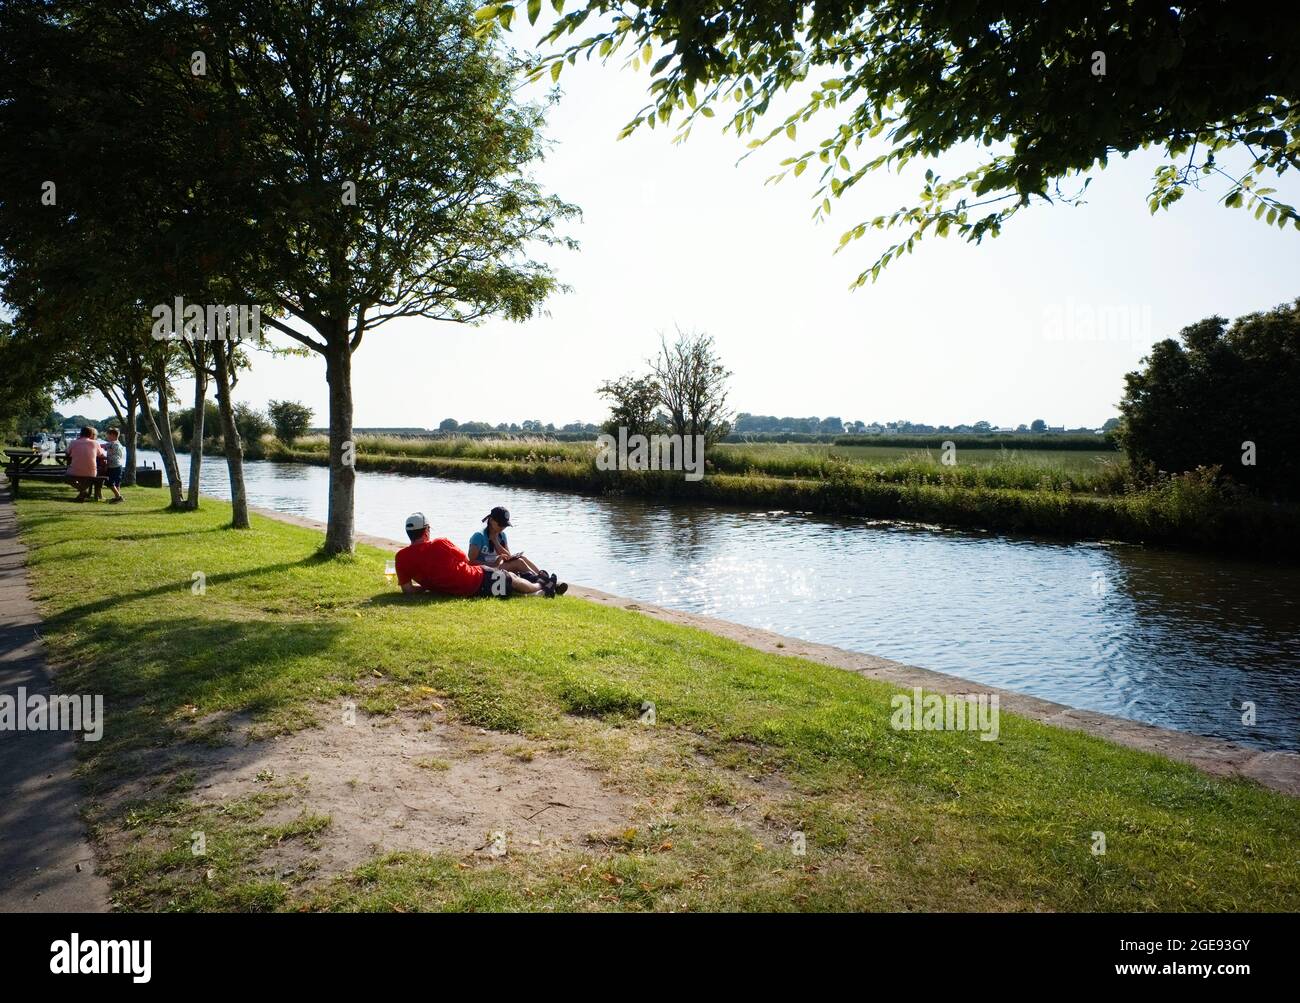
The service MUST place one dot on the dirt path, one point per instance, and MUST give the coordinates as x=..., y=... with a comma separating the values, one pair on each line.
x=46, y=865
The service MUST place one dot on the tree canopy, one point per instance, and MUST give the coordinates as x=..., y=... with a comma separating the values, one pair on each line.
x=1222, y=395
x=1048, y=93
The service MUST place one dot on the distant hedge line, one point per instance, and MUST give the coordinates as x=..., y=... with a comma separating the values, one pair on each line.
x=1009, y=440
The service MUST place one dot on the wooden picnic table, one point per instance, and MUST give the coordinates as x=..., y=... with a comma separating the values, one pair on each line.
x=26, y=458
x=29, y=464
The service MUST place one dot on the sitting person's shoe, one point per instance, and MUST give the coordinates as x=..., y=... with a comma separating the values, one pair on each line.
x=562, y=588
x=548, y=589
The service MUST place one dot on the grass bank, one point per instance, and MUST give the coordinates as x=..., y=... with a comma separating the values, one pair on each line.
x=1008, y=493
x=747, y=749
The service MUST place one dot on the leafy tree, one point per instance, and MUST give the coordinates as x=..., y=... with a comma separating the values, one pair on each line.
x=1038, y=425
x=448, y=425
x=251, y=423
x=113, y=126
x=211, y=424
x=290, y=420
x=387, y=179
x=1051, y=92
x=693, y=386
x=343, y=164
x=633, y=402
x=1221, y=396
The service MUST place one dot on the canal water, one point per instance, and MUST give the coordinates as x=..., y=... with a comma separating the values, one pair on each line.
x=1173, y=639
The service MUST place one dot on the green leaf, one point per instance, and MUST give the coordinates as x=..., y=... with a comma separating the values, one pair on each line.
x=534, y=9
x=556, y=67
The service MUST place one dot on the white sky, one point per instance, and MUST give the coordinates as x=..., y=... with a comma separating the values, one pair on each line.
x=682, y=234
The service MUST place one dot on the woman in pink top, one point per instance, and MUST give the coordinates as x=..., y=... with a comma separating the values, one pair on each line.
x=83, y=459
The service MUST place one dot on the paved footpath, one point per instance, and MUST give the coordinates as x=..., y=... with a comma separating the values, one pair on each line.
x=46, y=864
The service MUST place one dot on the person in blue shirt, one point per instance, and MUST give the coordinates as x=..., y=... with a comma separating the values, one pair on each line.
x=489, y=548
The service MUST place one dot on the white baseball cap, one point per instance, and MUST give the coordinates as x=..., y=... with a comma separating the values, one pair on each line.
x=416, y=522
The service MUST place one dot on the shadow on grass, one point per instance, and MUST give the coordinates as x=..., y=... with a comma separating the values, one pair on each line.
x=147, y=672
x=68, y=617
x=152, y=673
x=414, y=599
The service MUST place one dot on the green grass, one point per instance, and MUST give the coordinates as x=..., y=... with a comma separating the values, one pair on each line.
x=1018, y=468
x=747, y=748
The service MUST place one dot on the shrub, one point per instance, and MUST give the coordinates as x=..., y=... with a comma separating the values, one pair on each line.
x=290, y=420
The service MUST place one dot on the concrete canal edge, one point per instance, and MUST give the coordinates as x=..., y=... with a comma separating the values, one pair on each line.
x=1279, y=771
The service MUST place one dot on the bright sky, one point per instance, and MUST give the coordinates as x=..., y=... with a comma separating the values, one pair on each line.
x=1042, y=322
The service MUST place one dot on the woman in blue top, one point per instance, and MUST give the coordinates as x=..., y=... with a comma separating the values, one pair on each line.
x=488, y=547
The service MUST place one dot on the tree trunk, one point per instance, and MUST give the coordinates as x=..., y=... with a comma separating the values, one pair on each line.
x=132, y=438
x=162, y=435
x=196, y=440
x=225, y=359
x=343, y=475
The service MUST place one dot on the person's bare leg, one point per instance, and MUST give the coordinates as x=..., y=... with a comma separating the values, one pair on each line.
x=519, y=565
x=523, y=586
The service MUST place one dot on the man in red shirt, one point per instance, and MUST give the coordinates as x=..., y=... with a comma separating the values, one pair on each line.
x=441, y=566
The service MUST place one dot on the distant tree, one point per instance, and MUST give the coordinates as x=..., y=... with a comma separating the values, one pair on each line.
x=290, y=420
x=983, y=427
x=252, y=424
x=693, y=386
x=831, y=426
x=633, y=401
x=183, y=422
x=1221, y=395
x=1038, y=425
x=448, y=425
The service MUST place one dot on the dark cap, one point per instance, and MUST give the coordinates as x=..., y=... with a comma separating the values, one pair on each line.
x=502, y=516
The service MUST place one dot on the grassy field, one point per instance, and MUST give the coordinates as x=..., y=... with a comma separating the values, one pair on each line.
x=748, y=748
x=1068, y=460
x=773, y=459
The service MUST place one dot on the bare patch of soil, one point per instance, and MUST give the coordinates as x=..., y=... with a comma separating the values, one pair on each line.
x=402, y=782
